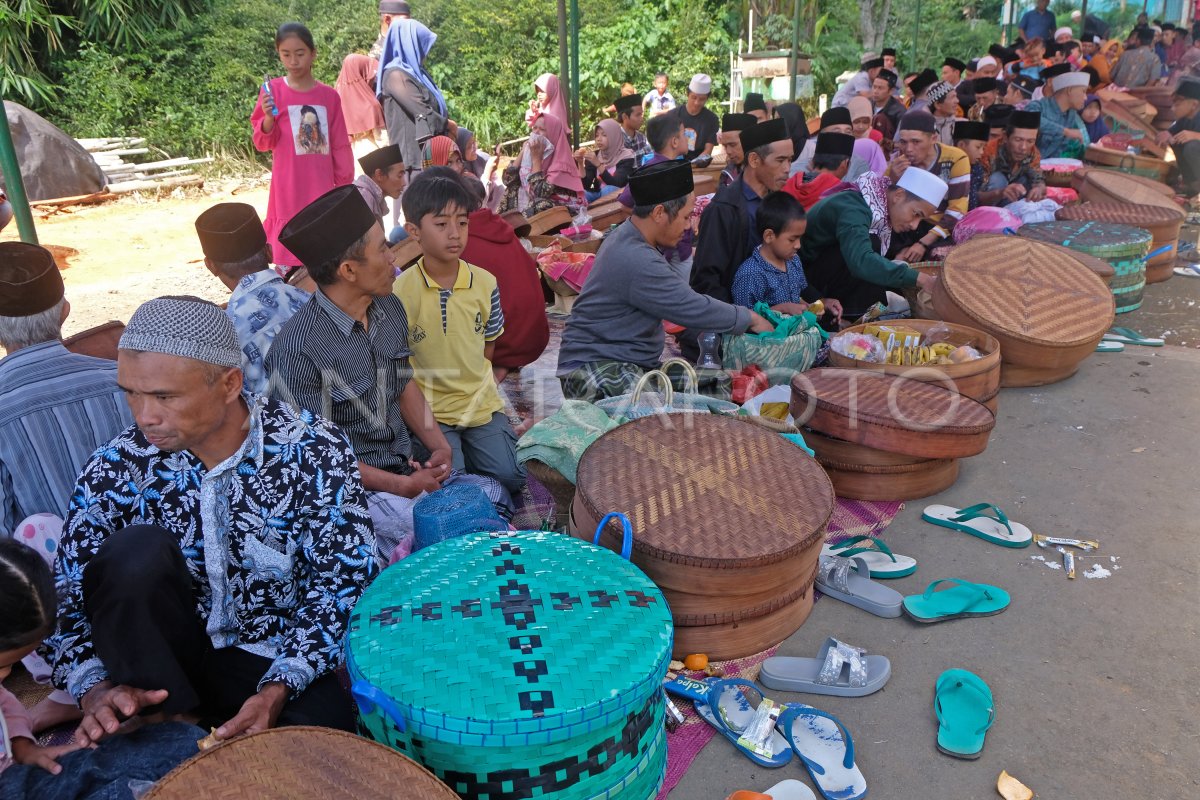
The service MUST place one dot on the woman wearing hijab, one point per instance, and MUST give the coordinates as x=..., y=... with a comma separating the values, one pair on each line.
x=545, y=175
x=548, y=99
x=364, y=116
x=867, y=158
x=848, y=247
x=1105, y=60
x=607, y=168
x=412, y=105
x=473, y=163
x=442, y=151
x=1093, y=117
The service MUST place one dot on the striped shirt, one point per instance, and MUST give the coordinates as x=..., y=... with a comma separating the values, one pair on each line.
x=56, y=408
x=952, y=165
x=325, y=362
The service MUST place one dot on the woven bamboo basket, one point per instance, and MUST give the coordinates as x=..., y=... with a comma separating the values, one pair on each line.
x=1105, y=185
x=891, y=413
x=609, y=214
x=300, y=763
x=542, y=241
x=1146, y=166
x=1059, y=177
x=683, y=480
x=406, y=253
x=520, y=225
x=516, y=665
x=98, y=342
x=978, y=380
x=1047, y=310
x=586, y=246
x=704, y=184
x=551, y=220
x=1099, y=266
x=1161, y=97
x=1163, y=224
x=864, y=473
x=1123, y=246
x=561, y=489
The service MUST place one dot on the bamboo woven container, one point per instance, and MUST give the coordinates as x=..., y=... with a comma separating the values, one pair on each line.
x=979, y=380
x=516, y=665
x=98, y=342
x=1146, y=166
x=1099, y=266
x=561, y=489
x=406, y=253
x=1047, y=310
x=728, y=520
x=864, y=473
x=551, y=220
x=888, y=412
x=1106, y=185
x=586, y=246
x=1123, y=246
x=608, y=214
x=299, y=763
x=1162, y=222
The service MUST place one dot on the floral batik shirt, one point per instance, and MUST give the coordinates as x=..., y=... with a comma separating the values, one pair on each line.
x=277, y=539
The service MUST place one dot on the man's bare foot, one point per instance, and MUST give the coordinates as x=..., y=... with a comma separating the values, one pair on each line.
x=50, y=714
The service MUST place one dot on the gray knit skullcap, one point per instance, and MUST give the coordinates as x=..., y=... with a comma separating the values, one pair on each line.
x=183, y=326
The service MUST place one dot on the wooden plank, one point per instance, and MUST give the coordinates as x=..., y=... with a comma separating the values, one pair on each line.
x=126, y=187
x=75, y=200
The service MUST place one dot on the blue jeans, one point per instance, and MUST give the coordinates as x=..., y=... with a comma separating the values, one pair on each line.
x=604, y=192
x=147, y=754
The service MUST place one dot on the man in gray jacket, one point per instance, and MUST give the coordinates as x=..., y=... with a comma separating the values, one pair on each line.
x=615, y=332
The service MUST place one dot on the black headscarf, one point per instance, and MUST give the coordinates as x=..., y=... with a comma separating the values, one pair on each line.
x=797, y=126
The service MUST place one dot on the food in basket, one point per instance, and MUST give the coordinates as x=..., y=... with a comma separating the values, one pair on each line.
x=859, y=346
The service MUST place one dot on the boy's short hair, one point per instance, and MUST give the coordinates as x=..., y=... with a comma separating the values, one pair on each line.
x=776, y=211
x=829, y=161
x=661, y=130
x=432, y=192
x=658, y=75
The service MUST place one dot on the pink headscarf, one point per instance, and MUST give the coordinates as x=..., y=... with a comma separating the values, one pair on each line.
x=872, y=154
x=355, y=86
x=561, y=170
x=616, y=152
x=555, y=105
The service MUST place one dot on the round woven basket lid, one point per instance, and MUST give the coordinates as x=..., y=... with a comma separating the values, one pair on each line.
x=1124, y=213
x=1097, y=265
x=1028, y=291
x=1129, y=187
x=876, y=398
x=507, y=634
x=300, y=763
x=706, y=490
x=1088, y=234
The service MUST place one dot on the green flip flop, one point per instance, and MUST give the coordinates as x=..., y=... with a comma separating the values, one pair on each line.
x=962, y=599
x=881, y=561
x=1130, y=336
x=965, y=710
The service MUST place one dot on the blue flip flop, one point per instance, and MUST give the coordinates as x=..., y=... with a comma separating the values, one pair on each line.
x=733, y=713
x=960, y=599
x=982, y=520
x=965, y=710
x=826, y=750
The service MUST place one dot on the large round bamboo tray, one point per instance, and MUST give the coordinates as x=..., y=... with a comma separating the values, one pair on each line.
x=1099, y=266
x=551, y=220
x=891, y=413
x=864, y=473
x=520, y=225
x=1161, y=97
x=609, y=214
x=1106, y=185
x=406, y=253
x=1047, y=310
x=725, y=515
x=1162, y=222
x=1123, y=246
x=1147, y=166
x=98, y=342
x=739, y=639
x=590, y=245
x=300, y=763
x=979, y=379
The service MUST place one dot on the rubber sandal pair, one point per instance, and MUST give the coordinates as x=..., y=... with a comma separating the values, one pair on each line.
x=817, y=738
x=840, y=669
x=881, y=561
x=1130, y=336
x=1190, y=271
x=847, y=579
x=1110, y=347
x=982, y=520
x=965, y=711
x=958, y=599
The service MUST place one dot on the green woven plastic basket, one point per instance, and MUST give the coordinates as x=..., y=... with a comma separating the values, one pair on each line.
x=1123, y=246
x=517, y=665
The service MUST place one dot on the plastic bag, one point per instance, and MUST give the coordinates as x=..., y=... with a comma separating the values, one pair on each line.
x=858, y=346
x=1041, y=211
x=938, y=333
x=985, y=219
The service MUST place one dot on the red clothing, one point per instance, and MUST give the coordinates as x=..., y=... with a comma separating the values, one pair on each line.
x=492, y=245
x=809, y=193
x=310, y=154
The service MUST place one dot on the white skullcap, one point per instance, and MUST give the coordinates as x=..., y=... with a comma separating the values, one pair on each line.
x=701, y=84
x=1063, y=30
x=1062, y=82
x=986, y=61
x=1156, y=29
x=924, y=184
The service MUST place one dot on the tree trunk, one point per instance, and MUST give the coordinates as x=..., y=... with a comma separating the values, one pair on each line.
x=873, y=19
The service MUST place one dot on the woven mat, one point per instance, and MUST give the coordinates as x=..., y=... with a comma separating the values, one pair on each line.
x=690, y=738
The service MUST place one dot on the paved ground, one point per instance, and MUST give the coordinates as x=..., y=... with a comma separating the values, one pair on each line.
x=1093, y=679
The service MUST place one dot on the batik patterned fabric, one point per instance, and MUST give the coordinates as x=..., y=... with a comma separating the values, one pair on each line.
x=277, y=539
x=258, y=307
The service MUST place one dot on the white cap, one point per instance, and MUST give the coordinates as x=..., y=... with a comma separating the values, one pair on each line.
x=1097, y=40
x=1076, y=14
x=1071, y=79
x=924, y=184
x=1063, y=30
x=1156, y=29
x=701, y=84
x=986, y=61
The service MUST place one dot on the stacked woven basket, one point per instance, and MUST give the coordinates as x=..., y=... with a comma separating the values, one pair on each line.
x=1123, y=246
x=886, y=437
x=1047, y=310
x=1161, y=222
x=517, y=665
x=729, y=521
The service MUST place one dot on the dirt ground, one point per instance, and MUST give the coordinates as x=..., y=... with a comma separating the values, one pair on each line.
x=134, y=249
x=137, y=248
